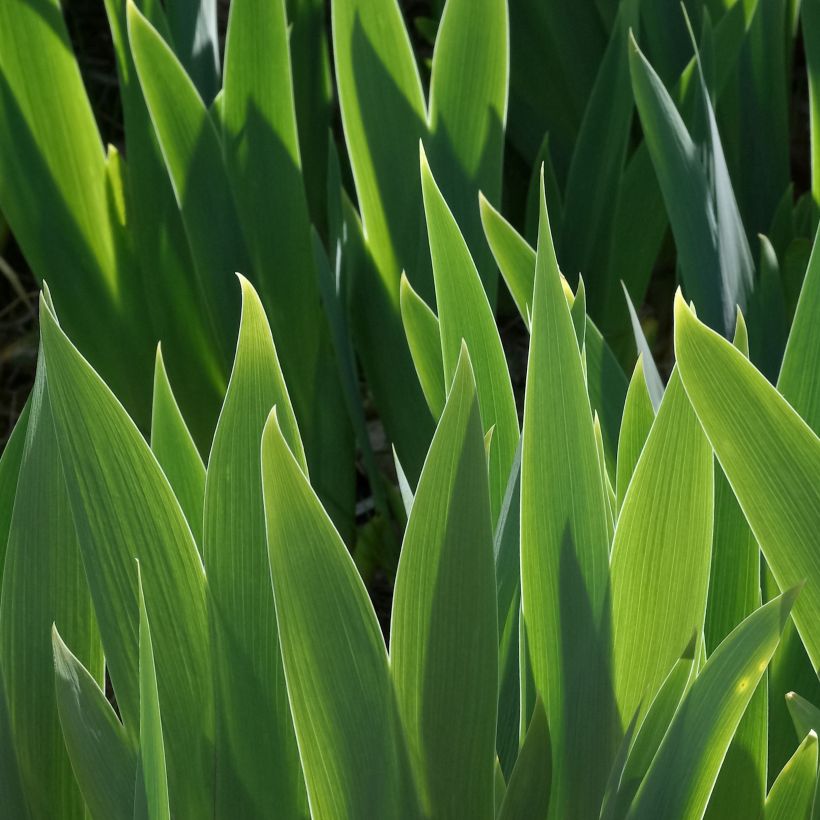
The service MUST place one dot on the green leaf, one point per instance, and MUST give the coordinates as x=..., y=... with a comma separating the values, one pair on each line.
x=810, y=15
x=683, y=773
x=384, y=115
x=799, y=380
x=43, y=584
x=176, y=451
x=654, y=383
x=639, y=415
x=652, y=728
x=565, y=550
x=770, y=456
x=257, y=765
x=444, y=635
x=662, y=551
x=792, y=793
x=464, y=313
x=333, y=291
x=405, y=490
x=507, y=548
x=151, y=797
x=767, y=314
x=194, y=159
x=193, y=27
x=713, y=253
x=10, y=460
x=805, y=715
x=513, y=255
x=123, y=507
x=103, y=757
x=734, y=593
x=606, y=380
x=528, y=792
x=375, y=329
x=156, y=238
x=421, y=326
x=578, y=313
x=59, y=175
x=466, y=120
x=264, y=168
x=313, y=92
x=596, y=167
x=344, y=707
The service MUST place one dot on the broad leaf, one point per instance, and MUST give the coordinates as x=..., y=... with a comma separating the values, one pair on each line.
x=770, y=456
x=341, y=696
x=43, y=584
x=792, y=793
x=662, y=552
x=123, y=507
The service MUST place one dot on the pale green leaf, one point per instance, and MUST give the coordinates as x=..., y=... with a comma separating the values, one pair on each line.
x=662, y=551
x=770, y=456
x=799, y=380
x=792, y=793
x=264, y=168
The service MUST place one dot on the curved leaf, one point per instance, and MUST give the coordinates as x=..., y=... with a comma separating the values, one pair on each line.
x=770, y=456
x=342, y=699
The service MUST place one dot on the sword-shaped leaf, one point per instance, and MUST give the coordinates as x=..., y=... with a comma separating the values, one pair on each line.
x=683, y=773
x=176, y=451
x=792, y=793
x=103, y=756
x=342, y=699
x=464, y=313
x=565, y=551
x=661, y=552
x=770, y=456
x=123, y=507
x=444, y=633
x=43, y=584
x=257, y=766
